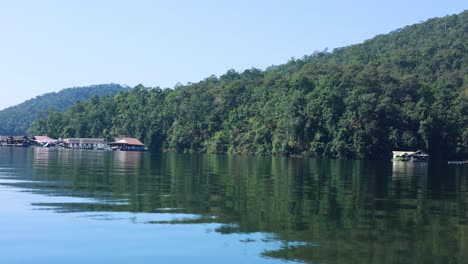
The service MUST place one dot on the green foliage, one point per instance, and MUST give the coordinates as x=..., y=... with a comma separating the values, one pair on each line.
x=17, y=119
x=405, y=90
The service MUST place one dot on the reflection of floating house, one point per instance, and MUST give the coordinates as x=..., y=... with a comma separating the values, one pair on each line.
x=85, y=143
x=409, y=169
x=128, y=144
x=410, y=156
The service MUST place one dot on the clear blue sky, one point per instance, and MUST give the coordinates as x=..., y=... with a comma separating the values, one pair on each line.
x=49, y=45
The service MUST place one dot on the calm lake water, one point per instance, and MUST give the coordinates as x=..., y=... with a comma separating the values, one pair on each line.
x=61, y=206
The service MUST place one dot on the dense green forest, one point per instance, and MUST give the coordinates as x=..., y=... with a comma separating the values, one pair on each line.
x=17, y=119
x=405, y=90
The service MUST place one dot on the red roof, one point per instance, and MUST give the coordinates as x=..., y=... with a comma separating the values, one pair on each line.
x=44, y=139
x=130, y=141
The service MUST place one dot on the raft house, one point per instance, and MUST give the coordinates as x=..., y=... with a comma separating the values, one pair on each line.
x=15, y=141
x=44, y=141
x=458, y=162
x=85, y=143
x=414, y=156
x=128, y=144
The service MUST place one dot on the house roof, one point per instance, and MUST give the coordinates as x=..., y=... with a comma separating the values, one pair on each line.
x=400, y=153
x=44, y=139
x=409, y=153
x=129, y=141
x=20, y=137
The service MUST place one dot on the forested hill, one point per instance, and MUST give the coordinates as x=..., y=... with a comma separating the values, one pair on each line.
x=17, y=119
x=406, y=90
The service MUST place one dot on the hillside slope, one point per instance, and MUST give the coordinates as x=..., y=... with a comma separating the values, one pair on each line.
x=16, y=120
x=405, y=90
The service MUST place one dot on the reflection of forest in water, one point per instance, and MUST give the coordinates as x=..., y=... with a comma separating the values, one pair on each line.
x=342, y=211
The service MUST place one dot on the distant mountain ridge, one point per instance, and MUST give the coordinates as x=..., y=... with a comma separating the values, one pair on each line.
x=16, y=120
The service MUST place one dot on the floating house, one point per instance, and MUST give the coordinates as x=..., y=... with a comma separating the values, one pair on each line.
x=458, y=162
x=410, y=156
x=15, y=141
x=128, y=144
x=85, y=143
x=44, y=141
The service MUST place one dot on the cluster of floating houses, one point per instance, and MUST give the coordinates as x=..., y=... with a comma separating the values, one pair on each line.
x=133, y=144
x=124, y=144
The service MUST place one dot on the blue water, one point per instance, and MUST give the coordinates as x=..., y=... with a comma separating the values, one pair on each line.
x=67, y=206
